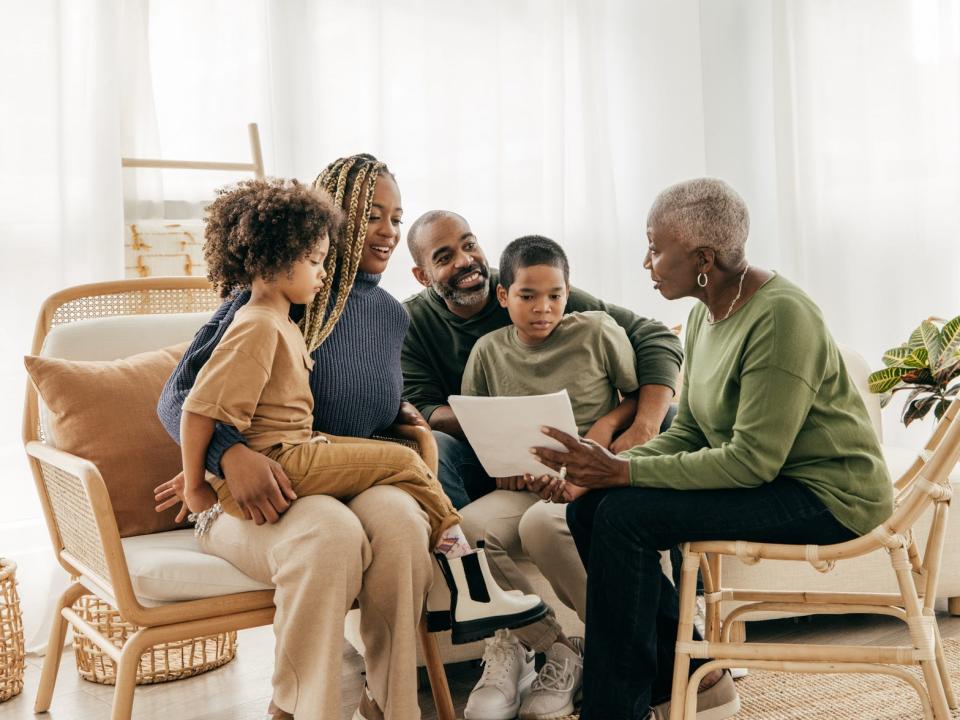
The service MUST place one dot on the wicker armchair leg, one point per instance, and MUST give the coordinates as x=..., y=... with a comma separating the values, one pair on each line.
x=953, y=605
x=136, y=645
x=436, y=673
x=51, y=662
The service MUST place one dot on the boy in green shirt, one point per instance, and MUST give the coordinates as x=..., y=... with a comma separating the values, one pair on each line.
x=544, y=351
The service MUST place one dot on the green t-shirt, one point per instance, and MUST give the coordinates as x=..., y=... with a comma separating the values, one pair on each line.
x=766, y=394
x=438, y=343
x=587, y=354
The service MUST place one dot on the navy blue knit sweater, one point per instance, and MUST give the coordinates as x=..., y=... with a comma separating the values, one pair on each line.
x=356, y=378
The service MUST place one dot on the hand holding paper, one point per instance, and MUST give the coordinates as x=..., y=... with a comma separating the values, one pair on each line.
x=502, y=430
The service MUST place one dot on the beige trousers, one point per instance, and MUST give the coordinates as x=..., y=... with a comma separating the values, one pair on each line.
x=516, y=523
x=343, y=467
x=322, y=555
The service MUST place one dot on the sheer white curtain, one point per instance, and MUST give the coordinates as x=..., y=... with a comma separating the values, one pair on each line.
x=839, y=123
x=60, y=222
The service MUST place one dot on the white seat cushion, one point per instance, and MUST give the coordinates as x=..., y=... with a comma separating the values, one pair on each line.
x=170, y=567
x=120, y=336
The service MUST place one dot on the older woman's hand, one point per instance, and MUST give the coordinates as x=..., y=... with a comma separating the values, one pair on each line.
x=587, y=464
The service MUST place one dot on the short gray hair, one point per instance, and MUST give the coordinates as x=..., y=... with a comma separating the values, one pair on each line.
x=705, y=212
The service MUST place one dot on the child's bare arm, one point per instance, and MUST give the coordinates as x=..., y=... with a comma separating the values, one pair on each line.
x=195, y=433
x=605, y=428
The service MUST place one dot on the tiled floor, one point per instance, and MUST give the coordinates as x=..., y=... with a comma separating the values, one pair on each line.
x=241, y=689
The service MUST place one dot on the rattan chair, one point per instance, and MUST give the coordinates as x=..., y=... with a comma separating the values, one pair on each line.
x=83, y=528
x=924, y=485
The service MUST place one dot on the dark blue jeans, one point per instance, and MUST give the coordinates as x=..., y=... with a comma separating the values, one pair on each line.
x=460, y=472
x=632, y=608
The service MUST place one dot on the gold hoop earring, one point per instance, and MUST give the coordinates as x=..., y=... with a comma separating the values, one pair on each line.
x=701, y=280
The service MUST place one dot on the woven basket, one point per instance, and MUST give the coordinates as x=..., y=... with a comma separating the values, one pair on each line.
x=11, y=633
x=162, y=663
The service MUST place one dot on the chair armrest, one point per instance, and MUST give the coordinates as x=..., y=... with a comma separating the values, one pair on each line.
x=423, y=437
x=80, y=518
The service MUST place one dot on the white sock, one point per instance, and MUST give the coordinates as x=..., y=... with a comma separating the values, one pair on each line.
x=453, y=543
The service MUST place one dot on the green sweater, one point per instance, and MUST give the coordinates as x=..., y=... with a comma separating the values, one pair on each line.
x=766, y=394
x=438, y=343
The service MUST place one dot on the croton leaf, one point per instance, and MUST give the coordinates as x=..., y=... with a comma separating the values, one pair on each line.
x=894, y=357
x=918, y=376
x=931, y=342
x=916, y=339
x=917, y=358
x=950, y=341
x=883, y=380
x=941, y=408
x=918, y=409
x=947, y=372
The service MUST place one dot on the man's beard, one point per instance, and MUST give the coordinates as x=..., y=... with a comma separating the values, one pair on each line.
x=464, y=298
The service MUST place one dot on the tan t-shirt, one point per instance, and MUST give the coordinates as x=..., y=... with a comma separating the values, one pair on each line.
x=257, y=380
x=587, y=353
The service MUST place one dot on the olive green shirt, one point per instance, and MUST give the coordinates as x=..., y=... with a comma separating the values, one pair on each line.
x=587, y=354
x=766, y=394
x=438, y=343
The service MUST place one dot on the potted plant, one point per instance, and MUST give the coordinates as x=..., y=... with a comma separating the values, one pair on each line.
x=928, y=365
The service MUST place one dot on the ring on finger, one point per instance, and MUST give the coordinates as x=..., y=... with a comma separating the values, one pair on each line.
x=563, y=472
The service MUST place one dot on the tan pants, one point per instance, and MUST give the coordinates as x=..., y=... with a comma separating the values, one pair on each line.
x=345, y=467
x=515, y=523
x=321, y=556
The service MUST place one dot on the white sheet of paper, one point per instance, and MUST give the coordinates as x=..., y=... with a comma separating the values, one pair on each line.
x=502, y=430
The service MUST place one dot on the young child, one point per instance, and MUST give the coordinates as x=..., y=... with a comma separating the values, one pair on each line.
x=545, y=351
x=273, y=237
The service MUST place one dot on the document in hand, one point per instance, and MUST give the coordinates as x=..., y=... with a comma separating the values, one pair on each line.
x=502, y=430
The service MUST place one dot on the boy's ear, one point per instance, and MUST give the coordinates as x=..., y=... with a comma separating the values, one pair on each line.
x=421, y=276
x=501, y=295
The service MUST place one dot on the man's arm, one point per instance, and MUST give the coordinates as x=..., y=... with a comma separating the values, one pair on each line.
x=659, y=354
x=419, y=377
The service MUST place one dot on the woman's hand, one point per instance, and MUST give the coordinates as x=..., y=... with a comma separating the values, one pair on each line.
x=587, y=464
x=409, y=415
x=258, y=484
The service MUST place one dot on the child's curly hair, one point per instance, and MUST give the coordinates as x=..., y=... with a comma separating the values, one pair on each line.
x=260, y=228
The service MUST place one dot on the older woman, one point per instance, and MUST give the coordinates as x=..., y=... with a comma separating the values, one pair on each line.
x=771, y=443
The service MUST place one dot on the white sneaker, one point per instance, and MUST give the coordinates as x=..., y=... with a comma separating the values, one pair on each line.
x=557, y=686
x=507, y=675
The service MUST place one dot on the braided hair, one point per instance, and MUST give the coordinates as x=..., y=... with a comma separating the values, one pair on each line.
x=345, y=179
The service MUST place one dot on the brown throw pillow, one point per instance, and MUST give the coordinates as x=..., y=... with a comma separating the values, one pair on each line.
x=106, y=412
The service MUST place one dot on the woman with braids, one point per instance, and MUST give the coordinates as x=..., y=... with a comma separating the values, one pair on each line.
x=319, y=552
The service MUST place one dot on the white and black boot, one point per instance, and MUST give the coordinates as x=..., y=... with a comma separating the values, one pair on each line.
x=438, y=603
x=478, y=606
